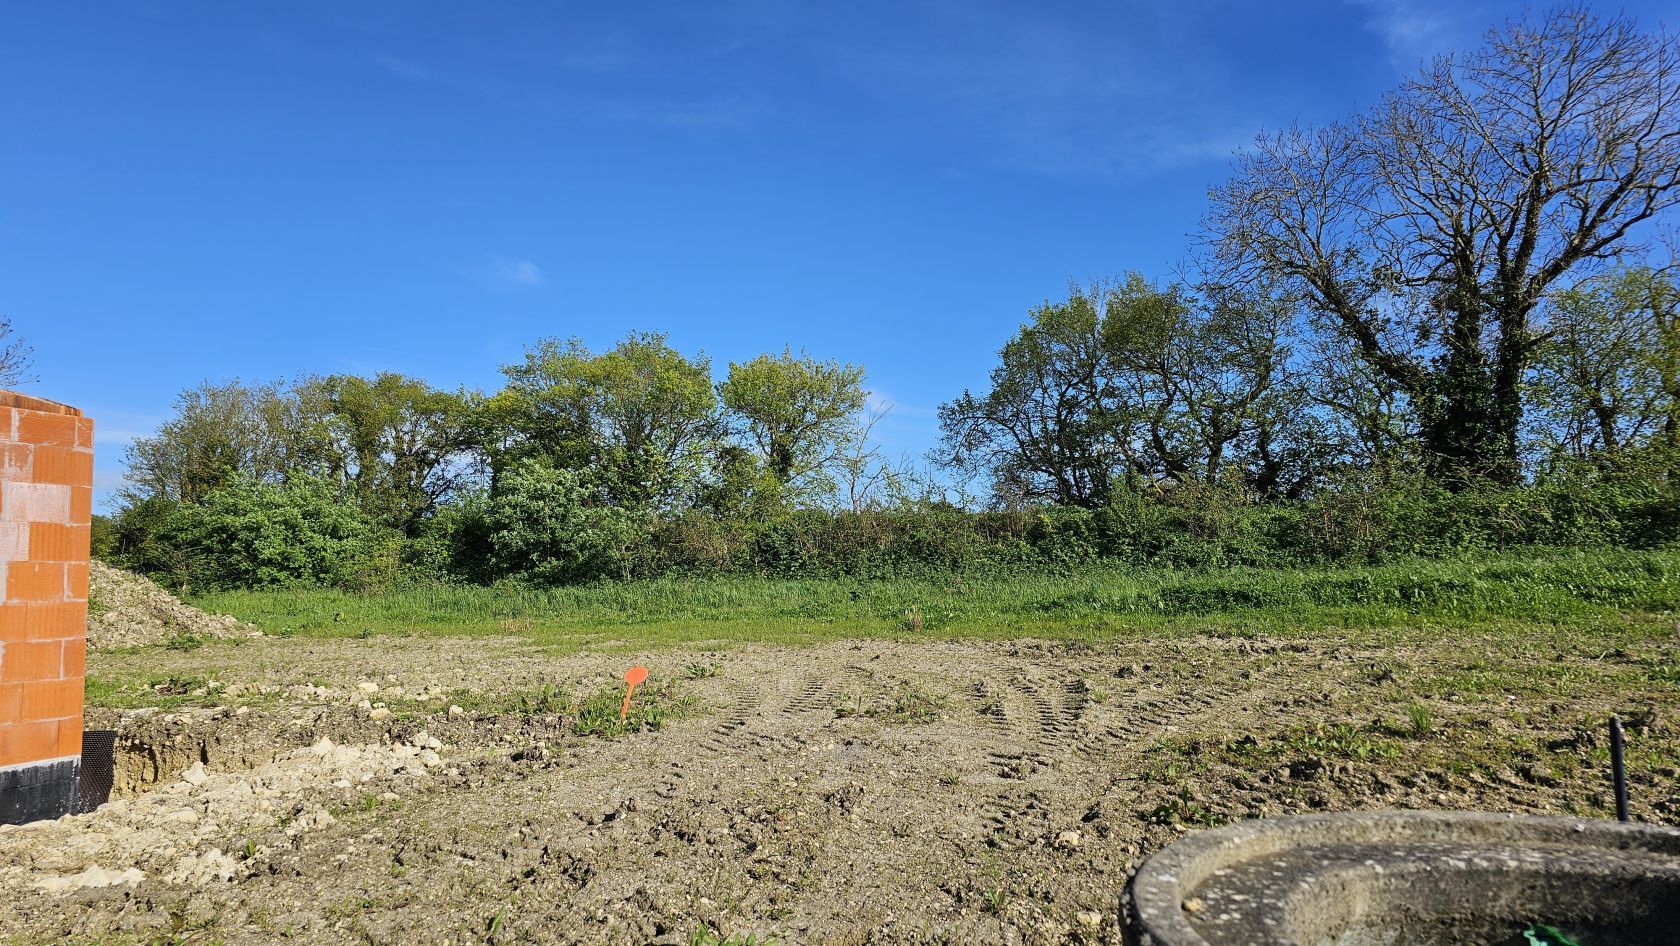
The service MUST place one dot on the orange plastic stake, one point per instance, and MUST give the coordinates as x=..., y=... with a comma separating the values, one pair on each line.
x=634, y=677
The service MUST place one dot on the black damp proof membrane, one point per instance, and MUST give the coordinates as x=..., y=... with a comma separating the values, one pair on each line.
x=99, y=766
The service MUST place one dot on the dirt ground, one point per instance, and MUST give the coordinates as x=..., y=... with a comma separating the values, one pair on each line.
x=421, y=790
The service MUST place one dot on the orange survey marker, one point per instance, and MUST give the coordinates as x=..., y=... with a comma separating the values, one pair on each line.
x=634, y=677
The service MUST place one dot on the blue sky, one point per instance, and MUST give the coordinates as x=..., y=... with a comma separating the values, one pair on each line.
x=193, y=190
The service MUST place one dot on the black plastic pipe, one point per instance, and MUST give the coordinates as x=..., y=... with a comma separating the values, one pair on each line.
x=1618, y=769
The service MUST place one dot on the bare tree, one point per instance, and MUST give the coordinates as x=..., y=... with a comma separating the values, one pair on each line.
x=859, y=471
x=17, y=361
x=1430, y=231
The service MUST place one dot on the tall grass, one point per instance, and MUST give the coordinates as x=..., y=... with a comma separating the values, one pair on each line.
x=1530, y=588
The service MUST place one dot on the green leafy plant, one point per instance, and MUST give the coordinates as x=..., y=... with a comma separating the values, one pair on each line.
x=1542, y=935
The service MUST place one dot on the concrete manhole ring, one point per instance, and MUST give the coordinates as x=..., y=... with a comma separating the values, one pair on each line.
x=1409, y=878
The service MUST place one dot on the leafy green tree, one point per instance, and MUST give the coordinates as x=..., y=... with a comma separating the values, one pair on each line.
x=1132, y=380
x=400, y=446
x=798, y=412
x=1201, y=384
x=219, y=432
x=1430, y=231
x=548, y=525
x=642, y=414
x=1047, y=428
x=1605, y=382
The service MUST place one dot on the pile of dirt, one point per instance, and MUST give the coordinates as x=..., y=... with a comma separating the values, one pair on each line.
x=127, y=610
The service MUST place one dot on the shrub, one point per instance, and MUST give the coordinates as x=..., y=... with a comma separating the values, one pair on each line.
x=545, y=525
x=255, y=535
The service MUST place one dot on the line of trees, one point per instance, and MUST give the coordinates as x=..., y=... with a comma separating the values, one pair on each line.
x=1430, y=326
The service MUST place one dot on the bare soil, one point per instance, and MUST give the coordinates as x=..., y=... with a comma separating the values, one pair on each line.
x=421, y=790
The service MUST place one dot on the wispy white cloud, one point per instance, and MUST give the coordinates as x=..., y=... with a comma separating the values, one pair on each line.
x=505, y=272
x=1415, y=31
x=1048, y=94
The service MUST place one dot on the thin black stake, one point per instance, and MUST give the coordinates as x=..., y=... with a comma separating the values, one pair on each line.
x=1618, y=769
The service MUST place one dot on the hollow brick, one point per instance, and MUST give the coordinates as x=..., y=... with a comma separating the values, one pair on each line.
x=65, y=466
x=46, y=430
x=55, y=619
x=28, y=741
x=29, y=661
x=69, y=737
x=76, y=580
x=52, y=542
x=73, y=661
x=81, y=505
x=50, y=699
x=32, y=582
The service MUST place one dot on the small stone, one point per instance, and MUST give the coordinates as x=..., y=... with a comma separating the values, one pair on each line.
x=379, y=712
x=455, y=711
x=94, y=876
x=1088, y=918
x=388, y=796
x=1194, y=905
x=368, y=687
x=341, y=783
x=195, y=775
x=1068, y=841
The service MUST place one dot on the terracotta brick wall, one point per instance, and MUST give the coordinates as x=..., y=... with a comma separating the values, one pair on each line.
x=46, y=508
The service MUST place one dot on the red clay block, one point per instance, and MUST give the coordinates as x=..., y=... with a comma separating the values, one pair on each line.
x=84, y=432
x=35, y=581
x=14, y=622
x=55, y=620
x=46, y=430
x=66, y=466
x=50, y=542
x=76, y=580
x=28, y=661
x=11, y=701
x=51, y=699
x=81, y=505
x=28, y=742
x=16, y=461
x=74, y=659
x=70, y=736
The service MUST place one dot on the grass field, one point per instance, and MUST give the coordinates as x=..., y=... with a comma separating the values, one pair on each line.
x=1616, y=592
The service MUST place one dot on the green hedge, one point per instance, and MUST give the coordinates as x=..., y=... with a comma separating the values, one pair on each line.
x=544, y=527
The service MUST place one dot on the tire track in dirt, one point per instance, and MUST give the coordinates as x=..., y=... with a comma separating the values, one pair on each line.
x=1032, y=730
x=1143, y=716
x=723, y=738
